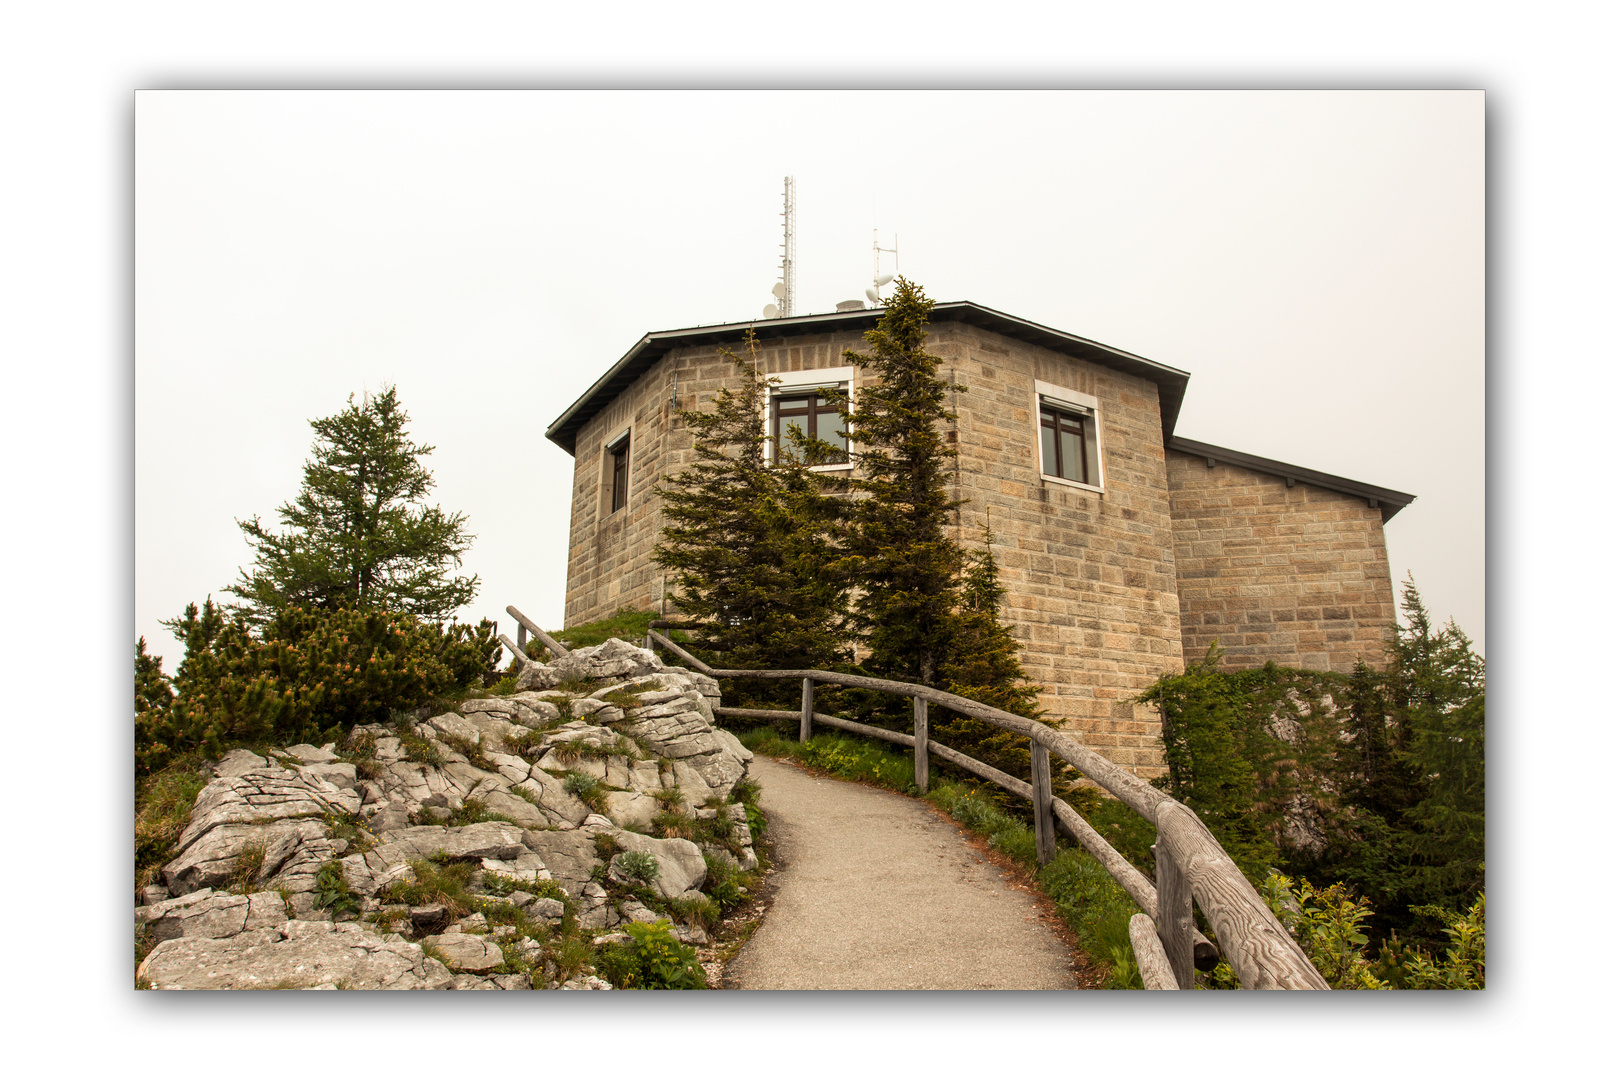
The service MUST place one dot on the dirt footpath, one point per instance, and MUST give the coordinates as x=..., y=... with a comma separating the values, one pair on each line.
x=874, y=891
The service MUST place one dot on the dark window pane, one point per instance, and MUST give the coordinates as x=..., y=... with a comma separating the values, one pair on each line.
x=1049, y=464
x=1070, y=451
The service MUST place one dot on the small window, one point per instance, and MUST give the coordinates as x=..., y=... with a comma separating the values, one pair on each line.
x=1068, y=437
x=809, y=404
x=1067, y=440
x=814, y=416
x=619, y=469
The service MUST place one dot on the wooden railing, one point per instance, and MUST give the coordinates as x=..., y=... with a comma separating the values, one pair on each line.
x=1190, y=864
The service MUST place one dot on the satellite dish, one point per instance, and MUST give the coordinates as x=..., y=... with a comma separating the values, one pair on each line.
x=770, y=309
x=779, y=290
x=872, y=295
x=884, y=280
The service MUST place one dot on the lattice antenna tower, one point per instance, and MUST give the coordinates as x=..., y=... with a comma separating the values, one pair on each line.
x=789, y=246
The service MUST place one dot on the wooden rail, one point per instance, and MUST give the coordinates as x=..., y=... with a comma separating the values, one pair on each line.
x=1191, y=866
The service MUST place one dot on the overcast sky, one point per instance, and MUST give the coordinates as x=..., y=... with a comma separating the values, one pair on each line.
x=1314, y=259
x=492, y=258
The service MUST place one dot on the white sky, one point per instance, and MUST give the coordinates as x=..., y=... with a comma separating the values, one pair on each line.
x=67, y=293
x=1314, y=259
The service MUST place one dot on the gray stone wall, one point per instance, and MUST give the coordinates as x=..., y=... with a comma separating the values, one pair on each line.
x=1296, y=575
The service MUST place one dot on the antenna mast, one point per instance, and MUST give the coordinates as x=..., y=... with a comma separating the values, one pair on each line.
x=789, y=247
x=876, y=254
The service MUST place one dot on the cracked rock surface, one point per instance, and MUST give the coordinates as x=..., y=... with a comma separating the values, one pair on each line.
x=530, y=788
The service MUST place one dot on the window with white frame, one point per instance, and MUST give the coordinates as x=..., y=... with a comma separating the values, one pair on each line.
x=1068, y=443
x=808, y=402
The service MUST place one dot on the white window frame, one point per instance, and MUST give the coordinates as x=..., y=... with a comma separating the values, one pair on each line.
x=1064, y=398
x=799, y=382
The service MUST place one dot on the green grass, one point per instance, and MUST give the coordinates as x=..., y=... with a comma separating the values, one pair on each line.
x=625, y=625
x=163, y=804
x=1090, y=901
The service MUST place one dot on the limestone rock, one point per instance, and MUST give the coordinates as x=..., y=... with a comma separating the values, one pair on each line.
x=570, y=856
x=680, y=862
x=238, y=762
x=209, y=914
x=470, y=953
x=485, y=840
x=299, y=955
x=631, y=809
x=311, y=755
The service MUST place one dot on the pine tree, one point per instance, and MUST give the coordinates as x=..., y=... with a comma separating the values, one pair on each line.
x=749, y=543
x=359, y=535
x=152, y=688
x=906, y=566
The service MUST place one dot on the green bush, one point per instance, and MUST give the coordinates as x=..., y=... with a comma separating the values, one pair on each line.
x=1385, y=768
x=654, y=960
x=307, y=674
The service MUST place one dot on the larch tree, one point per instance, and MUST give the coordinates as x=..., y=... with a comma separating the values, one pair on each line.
x=360, y=534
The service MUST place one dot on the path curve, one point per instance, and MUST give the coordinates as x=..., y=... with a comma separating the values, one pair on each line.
x=875, y=891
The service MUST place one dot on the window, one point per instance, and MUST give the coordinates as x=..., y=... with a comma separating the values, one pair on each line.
x=802, y=406
x=1068, y=443
x=618, y=470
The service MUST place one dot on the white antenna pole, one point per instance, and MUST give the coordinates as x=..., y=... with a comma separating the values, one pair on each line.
x=789, y=246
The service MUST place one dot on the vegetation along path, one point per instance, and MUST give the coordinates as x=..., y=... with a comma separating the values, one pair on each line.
x=874, y=891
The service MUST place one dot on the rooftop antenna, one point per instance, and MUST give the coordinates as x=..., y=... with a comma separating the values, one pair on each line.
x=880, y=279
x=783, y=290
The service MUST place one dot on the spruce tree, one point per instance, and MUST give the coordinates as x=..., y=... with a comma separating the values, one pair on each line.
x=359, y=535
x=982, y=664
x=1437, y=685
x=906, y=566
x=748, y=542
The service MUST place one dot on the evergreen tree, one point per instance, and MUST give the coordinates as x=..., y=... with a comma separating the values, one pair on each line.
x=906, y=566
x=1438, y=697
x=749, y=543
x=981, y=664
x=152, y=687
x=359, y=535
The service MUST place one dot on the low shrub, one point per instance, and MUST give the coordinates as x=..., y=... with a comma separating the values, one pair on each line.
x=653, y=960
x=307, y=676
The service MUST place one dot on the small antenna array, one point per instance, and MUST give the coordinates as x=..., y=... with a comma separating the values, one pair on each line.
x=880, y=279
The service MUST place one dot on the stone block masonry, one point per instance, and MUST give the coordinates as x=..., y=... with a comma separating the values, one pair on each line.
x=1113, y=578
x=1296, y=575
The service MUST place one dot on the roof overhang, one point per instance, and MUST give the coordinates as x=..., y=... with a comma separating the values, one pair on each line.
x=1172, y=382
x=1387, y=501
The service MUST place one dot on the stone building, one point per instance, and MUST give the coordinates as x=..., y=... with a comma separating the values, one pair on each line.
x=1125, y=549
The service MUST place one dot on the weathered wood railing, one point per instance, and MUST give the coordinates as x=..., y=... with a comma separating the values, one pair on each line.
x=1190, y=864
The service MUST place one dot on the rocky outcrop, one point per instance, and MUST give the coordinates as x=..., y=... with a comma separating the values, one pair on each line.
x=536, y=790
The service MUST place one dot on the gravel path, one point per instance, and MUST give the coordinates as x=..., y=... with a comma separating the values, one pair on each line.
x=874, y=891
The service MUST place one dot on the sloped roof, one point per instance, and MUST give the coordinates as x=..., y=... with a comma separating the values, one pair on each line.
x=1388, y=501
x=1172, y=382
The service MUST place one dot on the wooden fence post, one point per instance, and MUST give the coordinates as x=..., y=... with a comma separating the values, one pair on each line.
x=919, y=732
x=523, y=640
x=807, y=709
x=1040, y=774
x=1175, y=916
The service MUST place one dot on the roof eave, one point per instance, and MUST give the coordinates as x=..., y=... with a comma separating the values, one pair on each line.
x=1388, y=501
x=1172, y=382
